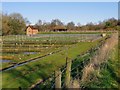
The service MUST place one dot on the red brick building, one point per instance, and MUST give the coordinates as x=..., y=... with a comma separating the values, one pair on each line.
x=31, y=30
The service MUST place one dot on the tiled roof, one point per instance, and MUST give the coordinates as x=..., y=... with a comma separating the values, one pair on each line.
x=32, y=27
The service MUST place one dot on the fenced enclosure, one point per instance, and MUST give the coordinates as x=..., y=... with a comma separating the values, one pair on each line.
x=22, y=42
x=36, y=54
x=74, y=69
x=64, y=77
x=44, y=44
x=44, y=37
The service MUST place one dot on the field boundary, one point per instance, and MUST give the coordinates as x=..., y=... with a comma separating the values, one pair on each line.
x=64, y=68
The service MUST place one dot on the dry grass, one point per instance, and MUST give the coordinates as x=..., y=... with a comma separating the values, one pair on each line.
x=96, y=61
x=75, y=83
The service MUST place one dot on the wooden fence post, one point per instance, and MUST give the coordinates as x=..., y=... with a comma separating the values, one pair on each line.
x=68, y=73
x=58, y=79
x=19, y=88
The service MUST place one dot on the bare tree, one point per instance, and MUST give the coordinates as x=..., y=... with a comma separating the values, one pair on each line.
x=70, y=26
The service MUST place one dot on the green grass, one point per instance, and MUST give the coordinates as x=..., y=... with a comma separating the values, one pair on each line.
x=22, y=43
x=113, y=68
x=109, y=76
x=44, y=39
x=20, y=57
x=111, y=73
x=96, y=32
x=30, y=73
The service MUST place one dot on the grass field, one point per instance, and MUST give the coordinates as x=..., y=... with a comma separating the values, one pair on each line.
x=82, y=32
x=30, y=73
x=14, y=47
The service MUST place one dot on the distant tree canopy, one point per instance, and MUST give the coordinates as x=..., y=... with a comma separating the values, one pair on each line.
x=109, y=24
x=56, y=22
x=71, y=26
x=13, y=24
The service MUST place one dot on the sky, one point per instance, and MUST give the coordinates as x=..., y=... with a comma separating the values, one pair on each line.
x=78, y=12
x=60, y=0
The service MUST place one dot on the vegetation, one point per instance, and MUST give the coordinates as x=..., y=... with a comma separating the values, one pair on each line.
x=15, y=45
x=18, y=48
x=15, y=24
x=109, y=75
x=43, y=67
x=102, y=71
x=106, y=25
x=81, y=32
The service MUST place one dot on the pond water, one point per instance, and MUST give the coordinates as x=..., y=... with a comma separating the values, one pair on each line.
x=30, y=52
x=20, y=52
x=4, y=61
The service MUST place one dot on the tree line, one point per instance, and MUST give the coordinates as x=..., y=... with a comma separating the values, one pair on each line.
x=106, y=25
x=15, y=23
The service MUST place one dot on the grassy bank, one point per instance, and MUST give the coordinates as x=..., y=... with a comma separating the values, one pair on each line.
x=32, y=72
x=14, y=47
x=109, y=74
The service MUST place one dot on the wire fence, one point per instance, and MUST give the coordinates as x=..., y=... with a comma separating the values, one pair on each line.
x=75, y=71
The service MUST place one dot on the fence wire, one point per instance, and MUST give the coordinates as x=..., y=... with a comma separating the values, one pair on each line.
x=50, y=81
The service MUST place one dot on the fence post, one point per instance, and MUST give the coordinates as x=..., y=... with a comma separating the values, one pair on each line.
x=19, y=88
x=68, y=73
x=58, y=79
